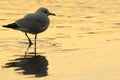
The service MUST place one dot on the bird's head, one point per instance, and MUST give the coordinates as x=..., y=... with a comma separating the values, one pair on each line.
x=45, y=10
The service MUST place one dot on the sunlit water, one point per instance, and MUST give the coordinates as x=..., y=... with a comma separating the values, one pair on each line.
x=81, y=43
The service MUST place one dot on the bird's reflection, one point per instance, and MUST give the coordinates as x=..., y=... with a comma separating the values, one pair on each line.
x=36, y=65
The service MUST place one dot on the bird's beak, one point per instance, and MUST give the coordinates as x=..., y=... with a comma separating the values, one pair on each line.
x=52, y=14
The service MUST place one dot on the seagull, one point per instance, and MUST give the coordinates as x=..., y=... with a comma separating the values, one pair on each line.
x=32, y=23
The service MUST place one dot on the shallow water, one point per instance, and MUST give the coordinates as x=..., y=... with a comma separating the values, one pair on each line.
x=81, y=43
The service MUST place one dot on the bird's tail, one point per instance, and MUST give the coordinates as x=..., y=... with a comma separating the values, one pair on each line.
x=13, y=26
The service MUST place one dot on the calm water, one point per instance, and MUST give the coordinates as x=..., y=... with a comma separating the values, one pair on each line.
x=81, y=43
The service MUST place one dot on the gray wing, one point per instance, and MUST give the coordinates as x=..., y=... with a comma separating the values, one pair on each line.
x=33, y=23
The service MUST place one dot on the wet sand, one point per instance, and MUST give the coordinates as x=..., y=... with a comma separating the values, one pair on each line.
x=81, y=43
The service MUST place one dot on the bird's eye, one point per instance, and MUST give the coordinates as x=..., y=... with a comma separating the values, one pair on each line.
x=45, y=11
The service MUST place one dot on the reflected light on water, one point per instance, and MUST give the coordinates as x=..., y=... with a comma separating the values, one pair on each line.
x=81, y=43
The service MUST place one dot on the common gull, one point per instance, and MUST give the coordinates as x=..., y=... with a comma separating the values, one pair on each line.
x=32, y=23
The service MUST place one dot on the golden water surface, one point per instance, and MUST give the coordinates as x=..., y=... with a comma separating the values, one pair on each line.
x=81, y=43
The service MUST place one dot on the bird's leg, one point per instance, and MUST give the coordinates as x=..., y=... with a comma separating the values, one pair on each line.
x=30, y=43
x=35, y=44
